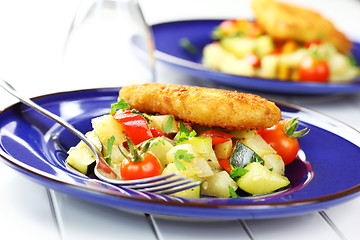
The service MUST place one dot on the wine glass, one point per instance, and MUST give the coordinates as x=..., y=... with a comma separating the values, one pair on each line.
x=100, y=51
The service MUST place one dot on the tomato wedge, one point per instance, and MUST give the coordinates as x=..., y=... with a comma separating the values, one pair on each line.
x=104, y=166
x=156, y=132
x=135, y=125
x=105, y=170
x=217, y=136
x=225, y=164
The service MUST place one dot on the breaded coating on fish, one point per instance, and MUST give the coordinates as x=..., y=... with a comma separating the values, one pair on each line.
x=205, y=106
x=284, y=21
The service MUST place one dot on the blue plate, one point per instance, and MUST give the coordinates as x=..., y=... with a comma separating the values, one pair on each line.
x=168, y=50
x=326, y=172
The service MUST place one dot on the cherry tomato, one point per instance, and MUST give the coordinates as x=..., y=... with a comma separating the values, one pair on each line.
x=217, y=136
x=313, y=70
x=228, y=26
x=284, y=143
x=148, y=167
x=253, y=59
x=135, y=126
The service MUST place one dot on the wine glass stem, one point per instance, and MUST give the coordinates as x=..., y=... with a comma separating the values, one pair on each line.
x=150, y=40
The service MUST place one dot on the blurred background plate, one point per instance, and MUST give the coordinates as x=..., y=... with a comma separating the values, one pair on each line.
x=169, y=51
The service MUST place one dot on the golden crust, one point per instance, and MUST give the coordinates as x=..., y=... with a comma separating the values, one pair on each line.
x=284, y=21
x=205, y=106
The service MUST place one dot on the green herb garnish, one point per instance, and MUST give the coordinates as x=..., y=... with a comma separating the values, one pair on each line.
x=352, y=61
x=110, y=144
x=121, y=104
x=152, y=142
x=232, y=192
x=182, y=154
x=184, y=133
x=237, y=173
x=168, y=125
x=290, y=128
x=188, y=46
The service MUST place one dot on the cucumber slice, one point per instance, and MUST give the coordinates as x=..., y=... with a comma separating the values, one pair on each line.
x=81, y=157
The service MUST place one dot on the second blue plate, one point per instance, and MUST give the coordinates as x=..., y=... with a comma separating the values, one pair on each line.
x=168, y=50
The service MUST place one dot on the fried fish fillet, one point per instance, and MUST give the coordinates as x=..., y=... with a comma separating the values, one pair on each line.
x=284, y=21
x=205, y=106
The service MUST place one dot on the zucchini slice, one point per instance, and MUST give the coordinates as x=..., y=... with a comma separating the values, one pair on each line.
x=94, y=139
x=242, y=155
x=81, y=157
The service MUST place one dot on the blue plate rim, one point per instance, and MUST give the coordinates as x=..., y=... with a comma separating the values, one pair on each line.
x=308, y=203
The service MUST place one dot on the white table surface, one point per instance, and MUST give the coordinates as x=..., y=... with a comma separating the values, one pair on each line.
x=32, y=36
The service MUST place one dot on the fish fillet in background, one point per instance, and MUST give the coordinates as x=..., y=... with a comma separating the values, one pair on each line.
x=284, y=21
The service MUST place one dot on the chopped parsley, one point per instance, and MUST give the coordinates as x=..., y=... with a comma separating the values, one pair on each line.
x=184, y=133
x=237, y=173
x=152, y=142
x=232, y=192
x=352, y=61
x=188, y=46
x=110, y=144
x=121, y=104
x=182, y=154
x=168, y=126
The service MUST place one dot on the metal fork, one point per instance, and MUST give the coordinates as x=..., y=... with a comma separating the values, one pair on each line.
x=164, y=184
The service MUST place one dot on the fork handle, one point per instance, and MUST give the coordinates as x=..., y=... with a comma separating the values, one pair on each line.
x=6, y=86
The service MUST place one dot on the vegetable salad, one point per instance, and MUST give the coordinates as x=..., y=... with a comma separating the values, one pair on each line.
x=241, y=47
x=227, y=163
